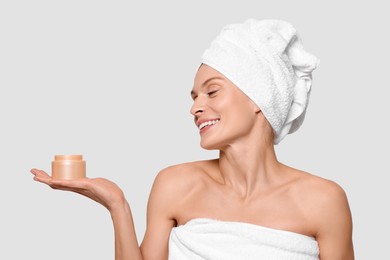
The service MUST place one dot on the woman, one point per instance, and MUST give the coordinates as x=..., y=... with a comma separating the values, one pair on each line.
x=251, y=89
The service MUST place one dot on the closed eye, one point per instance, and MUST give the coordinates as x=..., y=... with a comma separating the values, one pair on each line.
x=211, y=93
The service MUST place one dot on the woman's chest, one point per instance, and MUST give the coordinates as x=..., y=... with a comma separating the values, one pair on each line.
x=279, y=211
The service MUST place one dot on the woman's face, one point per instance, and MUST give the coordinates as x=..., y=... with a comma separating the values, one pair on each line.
x=222, y=112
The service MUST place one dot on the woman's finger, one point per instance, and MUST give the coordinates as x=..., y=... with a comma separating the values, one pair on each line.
x=42, y=176
x=37, y=172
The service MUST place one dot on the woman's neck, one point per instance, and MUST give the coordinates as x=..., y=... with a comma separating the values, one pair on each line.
x=248, y=167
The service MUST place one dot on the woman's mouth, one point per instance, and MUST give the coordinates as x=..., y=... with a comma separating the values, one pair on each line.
x=207, y=124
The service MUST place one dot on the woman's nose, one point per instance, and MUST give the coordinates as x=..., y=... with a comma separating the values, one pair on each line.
x=197, y=108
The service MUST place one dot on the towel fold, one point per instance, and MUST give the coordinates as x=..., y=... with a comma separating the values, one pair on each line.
x=266, y=60
x=204, y=238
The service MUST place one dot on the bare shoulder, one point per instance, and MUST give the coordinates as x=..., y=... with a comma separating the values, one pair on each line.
x=177, y=181
x=326, y=206
x=185, y=173
x=170, y=188
x=320, y=190
x=319, y=194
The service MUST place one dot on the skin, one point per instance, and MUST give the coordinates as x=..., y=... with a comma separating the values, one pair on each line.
x=245, y=184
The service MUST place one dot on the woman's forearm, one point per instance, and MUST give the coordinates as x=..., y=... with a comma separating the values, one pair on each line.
x=126, y=244
x=111, y=197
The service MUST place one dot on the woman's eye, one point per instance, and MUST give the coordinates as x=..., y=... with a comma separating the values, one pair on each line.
x=211, y=93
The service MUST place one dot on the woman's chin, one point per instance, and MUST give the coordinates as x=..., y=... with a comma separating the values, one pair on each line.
x=210, y=145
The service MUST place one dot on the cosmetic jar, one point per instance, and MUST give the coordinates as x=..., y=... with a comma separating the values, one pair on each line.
x=68, y=167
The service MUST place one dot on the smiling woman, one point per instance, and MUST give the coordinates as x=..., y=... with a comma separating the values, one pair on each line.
x=251, y=90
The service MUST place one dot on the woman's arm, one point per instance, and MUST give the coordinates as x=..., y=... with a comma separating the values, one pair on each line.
x=160, y=217
x=126, y=244
x=110, y=196
x=334, y=222
x=162, y=205
x=166, y=195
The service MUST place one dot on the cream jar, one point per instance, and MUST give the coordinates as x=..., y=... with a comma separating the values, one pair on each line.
x=68, y=167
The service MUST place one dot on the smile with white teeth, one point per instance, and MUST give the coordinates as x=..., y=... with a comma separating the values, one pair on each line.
x=204, y=124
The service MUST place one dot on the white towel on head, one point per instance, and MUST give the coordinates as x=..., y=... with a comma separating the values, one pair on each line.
x=210, y=239
x=266, y=60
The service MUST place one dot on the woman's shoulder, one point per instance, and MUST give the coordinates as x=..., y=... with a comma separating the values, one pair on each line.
x=314, y=189
x=327, y=212
x=324, y=200
x=175, y=185
x=188, y=169
x=318, y=188
x=182, y=177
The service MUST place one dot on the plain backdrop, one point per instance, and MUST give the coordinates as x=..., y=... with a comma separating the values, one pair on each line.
x=111, y=80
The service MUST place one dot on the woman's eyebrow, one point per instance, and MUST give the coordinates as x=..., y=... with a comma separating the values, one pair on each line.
x=210, y=79
x=205, y=83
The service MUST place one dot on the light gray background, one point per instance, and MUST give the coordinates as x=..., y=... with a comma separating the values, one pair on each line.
x=111, y=80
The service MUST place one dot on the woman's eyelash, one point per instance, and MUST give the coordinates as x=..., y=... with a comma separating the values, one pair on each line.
x=212, y=92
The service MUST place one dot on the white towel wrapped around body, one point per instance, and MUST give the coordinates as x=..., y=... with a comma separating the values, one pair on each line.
x=204, y=238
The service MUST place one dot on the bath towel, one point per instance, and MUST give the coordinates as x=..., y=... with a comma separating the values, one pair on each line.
x=266, y=60
x=204, y=238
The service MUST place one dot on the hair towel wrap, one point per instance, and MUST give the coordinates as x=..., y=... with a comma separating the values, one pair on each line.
x=266, y=60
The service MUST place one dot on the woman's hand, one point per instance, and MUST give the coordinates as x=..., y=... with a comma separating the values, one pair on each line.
x=100, y=190
x=110, y=196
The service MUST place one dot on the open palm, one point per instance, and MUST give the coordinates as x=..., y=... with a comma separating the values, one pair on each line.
x=100, y=190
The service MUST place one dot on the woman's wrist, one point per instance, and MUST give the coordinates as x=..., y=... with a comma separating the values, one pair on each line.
x=126, y=243
x=119, y=206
